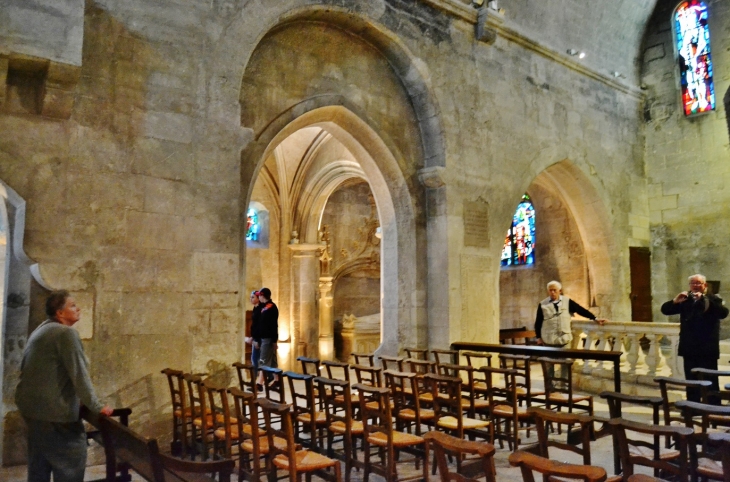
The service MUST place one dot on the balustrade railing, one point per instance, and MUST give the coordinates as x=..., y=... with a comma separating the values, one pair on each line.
x=639, y=364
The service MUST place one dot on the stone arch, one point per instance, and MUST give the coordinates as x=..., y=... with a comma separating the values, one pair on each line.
x=593, y=223
x=390, y=190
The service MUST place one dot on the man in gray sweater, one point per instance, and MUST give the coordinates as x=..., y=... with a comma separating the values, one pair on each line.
x=54, y=382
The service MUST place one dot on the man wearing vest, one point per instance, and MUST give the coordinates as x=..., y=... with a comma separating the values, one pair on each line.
x=552, y=322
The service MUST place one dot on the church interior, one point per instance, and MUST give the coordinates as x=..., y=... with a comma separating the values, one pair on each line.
x=400, y=173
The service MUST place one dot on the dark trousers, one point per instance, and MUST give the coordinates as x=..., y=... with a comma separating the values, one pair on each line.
x=694, y=394
x=57, y=448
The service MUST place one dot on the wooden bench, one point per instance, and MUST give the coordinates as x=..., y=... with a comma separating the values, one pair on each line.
x=126, y=449
x=511, y=336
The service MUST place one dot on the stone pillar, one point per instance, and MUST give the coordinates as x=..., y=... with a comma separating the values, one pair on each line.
x=326, y=319
x=303, y=297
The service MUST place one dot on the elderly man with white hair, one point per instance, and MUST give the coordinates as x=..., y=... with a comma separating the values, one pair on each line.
x=552, y=322
x=699, y=331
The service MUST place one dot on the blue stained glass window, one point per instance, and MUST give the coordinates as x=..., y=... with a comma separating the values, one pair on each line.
x=693, y=56
x=252, y=225
x=519, y=244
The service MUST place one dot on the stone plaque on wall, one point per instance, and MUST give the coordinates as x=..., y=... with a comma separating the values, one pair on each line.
x=476, y=223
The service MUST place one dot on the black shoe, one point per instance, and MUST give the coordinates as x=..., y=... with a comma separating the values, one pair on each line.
x=259, y=387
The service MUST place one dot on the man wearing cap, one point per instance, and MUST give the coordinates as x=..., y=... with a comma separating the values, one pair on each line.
x=54, y=382
x=269, y=331
x=255, y=339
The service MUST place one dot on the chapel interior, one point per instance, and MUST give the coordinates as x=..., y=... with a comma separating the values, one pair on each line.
x=398, y=173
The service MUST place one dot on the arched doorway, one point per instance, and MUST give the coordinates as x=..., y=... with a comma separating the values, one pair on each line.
x=574, y=245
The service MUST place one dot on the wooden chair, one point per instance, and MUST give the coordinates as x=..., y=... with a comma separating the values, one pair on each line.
x=477, y=359
x=392, y=362
x=275, y=389
x=409, y=414
x=553, y=470
x=645, y=478
x=288, y=458
x=559, y=388
x=246, y=377
x=201, y=425
x=337, y=370
x=544, y=418
x=446, y=356
x=379, y=433
x=522, y=365
x=310, y=366
x=181, y=412
x=340, y=422
x=365, y=359
x=615, y=401
x=722, y=442
x=368, y=375
x=223, y=425
x=475, y=468
x=476, y=405
x=306, y=416
x=635, y=449
x=250, y=449
x=672, y=415
x=503, y=404
x=714, y=396
x=420, y=368
x=417, y=353
x=706, y=460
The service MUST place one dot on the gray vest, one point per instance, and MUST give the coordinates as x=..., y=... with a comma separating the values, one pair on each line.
x=556, y=324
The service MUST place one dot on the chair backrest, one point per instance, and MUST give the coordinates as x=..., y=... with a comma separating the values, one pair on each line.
x=246, y=377
x=220, y=409
x=477, y=359
x=392, y=362
x=198, y=403
x=713, y=396
x=403, y=389
x=520, y=363
x=365, y=359
x=368, y=375
x=543, y=418
x=705, y=416
x=337, y=370
x=722, y=442
x=554, y=383
x=447, y=400
x=419, y=367
x=337, y=402
x=273, y=411
x=376, y=417
x=666, y=384
x=465, y=373
x=124, y=445
x=302, y=402
x=647, y=453
x=275, y=390
x=417, y=353
x=444, y=445
x=446, y=356
x=247, y=417
x=310, y=366
x=176, y=382
x=528, y=463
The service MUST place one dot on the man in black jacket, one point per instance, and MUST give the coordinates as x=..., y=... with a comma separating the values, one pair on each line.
x=699, y=332
x=268, y=331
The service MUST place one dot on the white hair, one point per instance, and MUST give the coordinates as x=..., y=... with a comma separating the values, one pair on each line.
x=698, y=276
x=555, y=283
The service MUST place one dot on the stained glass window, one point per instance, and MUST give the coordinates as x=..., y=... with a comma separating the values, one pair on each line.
x=693, y=56
x=252, y=225
x=519, y=244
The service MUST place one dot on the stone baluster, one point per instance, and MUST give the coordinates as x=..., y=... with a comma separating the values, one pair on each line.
x=577, y=343
x=620, y=345
x=676, y=368
x=592, y=336
x=655, y=359
x=603, y=345
x=635, y=356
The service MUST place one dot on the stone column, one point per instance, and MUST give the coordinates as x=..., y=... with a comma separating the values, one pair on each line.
x=326, y=319
x=303, y=297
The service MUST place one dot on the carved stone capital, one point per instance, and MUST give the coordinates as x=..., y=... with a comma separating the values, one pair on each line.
x=432, y=177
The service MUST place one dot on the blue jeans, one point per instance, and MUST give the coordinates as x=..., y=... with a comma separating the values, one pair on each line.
x=58, y=448
x=255, y=353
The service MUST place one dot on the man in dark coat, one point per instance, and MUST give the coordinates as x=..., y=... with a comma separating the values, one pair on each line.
x=699, y=332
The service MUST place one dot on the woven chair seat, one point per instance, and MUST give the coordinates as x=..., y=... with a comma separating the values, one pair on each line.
x=338, y=427
x=709, y=468
x=564, y=397
x=664, y=453
x=478, y=403
x=305, y=460
x=480, y=387
x=220, y=433
x=198, y=422
x=452, y=423
x=319, y=418
x=522, y=391
x=188, y=412
x=410, y=414
x=400, y=439
x=506, y=411
x=354, y=399
x=374, y=405
x=247, y=444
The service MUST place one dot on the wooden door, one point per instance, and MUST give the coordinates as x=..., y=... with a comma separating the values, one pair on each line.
x=640, y=263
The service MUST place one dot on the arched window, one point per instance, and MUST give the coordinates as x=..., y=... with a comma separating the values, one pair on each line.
x=519, y=245
x=692, y=41
x=252, y=225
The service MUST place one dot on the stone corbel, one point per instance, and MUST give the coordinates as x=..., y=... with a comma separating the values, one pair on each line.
x=432, y=177
x=486, y=19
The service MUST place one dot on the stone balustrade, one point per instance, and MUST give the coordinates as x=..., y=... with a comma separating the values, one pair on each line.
x=639, y=365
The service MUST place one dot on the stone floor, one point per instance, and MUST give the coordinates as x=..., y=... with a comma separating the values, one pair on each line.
x=601, y=453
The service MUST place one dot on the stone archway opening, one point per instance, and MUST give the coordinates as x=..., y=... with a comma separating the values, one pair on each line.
x=573, y=244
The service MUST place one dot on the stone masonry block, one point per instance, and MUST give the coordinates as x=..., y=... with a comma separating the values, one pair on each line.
x=638, y=221
x=662, y=203
x=152, y=230
x=640, y=232
x=152, y=313
x=169, y=126
x=225, y=321
x=215, y=272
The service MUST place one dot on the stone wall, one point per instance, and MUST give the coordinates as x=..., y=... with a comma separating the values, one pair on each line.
x=687, y=162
